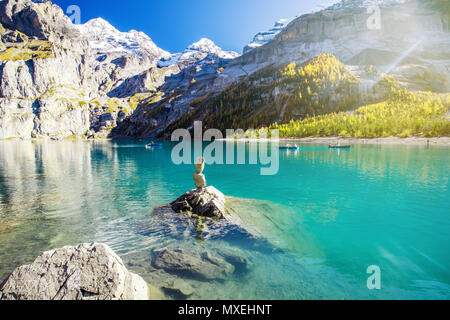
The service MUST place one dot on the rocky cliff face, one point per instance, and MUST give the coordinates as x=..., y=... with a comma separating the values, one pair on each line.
x=56, y=78
x=63, y=80
x=41, y=20
x=410, y=34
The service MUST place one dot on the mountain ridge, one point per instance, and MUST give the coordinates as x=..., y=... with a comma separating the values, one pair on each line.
x=124, y=85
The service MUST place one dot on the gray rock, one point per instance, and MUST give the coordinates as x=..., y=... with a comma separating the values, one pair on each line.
x=85, y=272
x=203, y=266
x=106, y=117
x=42, y=20
x=205, y=202
x=240, y=263
x=200, y=213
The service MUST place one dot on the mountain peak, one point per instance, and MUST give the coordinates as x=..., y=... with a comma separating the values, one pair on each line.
x=99, y=23
x=103, y=37
x=202, y=43
x=208, y=46
x=198, y=51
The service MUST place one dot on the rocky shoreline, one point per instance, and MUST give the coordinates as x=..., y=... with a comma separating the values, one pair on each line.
x=436, y=141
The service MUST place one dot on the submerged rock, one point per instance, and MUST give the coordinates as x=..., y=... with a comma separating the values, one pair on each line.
x=165, y=220
x=203, y=266
x=85, y=272
x=178, y=289
x=205, y=202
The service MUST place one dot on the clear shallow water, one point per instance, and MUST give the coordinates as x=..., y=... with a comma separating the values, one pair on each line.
x=328, y=215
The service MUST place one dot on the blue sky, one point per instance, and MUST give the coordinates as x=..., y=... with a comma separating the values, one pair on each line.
x=174, y=24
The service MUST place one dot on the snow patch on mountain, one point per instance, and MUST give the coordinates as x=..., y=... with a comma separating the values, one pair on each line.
x=324, y=5
x=263, y=37
x=196, y=52
x=208, y=46
x=347, y=4
x=104, y=38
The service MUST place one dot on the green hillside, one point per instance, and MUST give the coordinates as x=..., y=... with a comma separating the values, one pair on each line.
x=322, y=98
x=403, y=114
x=319, y=86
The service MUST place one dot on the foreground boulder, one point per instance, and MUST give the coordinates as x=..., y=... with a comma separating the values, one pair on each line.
x=205, y=202
x=85, y=272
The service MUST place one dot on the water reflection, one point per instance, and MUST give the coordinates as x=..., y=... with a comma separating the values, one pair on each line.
x=54, y=194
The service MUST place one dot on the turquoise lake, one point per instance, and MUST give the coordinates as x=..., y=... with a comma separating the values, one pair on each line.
x=328, y=215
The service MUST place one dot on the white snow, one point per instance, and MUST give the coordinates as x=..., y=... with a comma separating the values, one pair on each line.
x=196, y=52
x=103, y=37
x=208, y=46
x=361, y=3
x=263, y=37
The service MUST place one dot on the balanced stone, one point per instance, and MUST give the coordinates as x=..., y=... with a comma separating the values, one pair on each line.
x=200, y=180
x=200, y=165
x=199, y=177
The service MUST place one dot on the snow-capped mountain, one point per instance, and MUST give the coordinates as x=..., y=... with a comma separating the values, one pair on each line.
x=195, y=52
x=263, y=37
x=104, y=38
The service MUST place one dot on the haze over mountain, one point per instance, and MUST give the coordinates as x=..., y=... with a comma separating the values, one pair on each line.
x=121, y=84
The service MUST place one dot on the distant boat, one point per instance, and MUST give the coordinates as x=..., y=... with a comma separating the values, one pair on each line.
x=153, y=145
x=289, y=148
x=339, y=147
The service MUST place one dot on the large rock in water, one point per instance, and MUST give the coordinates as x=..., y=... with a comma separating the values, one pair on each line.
x=85, y=272
x=205, y=202
x=201, y=212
